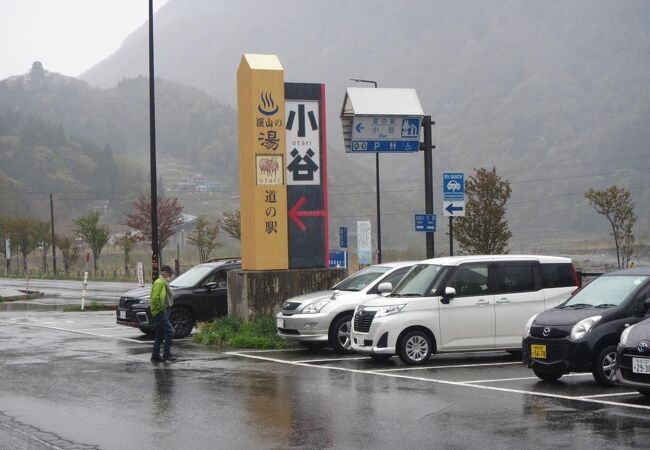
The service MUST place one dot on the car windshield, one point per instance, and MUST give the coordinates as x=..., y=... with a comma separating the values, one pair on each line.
x=361, y=279
x=605, y=291
x=191, y=277
x=421, y=281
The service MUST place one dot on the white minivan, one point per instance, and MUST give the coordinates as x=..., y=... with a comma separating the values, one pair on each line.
x=463, y=303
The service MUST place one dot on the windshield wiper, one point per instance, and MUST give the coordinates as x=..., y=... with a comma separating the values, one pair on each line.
x=579, y=306
x=605, y=305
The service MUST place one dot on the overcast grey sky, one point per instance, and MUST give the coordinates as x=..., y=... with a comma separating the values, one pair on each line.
x=67, y=36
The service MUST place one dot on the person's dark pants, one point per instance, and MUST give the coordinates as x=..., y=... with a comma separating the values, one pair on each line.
x=164, y=331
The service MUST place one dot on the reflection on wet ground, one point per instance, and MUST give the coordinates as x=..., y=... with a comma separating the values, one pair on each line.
x=85, y=379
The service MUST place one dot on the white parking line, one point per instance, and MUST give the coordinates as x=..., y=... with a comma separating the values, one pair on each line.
x=311, y=361
x=450, y=383
x=74, y=331
x=618, y=394
x=499, y=380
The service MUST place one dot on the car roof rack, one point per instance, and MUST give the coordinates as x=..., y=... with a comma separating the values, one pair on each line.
x=229, y=259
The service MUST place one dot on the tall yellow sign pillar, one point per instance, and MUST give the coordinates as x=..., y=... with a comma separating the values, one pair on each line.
x=262, y=184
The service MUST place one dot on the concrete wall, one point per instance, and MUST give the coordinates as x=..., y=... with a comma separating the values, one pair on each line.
x=252, y=294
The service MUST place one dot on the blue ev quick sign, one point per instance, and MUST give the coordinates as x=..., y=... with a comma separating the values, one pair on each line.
x=453, y=186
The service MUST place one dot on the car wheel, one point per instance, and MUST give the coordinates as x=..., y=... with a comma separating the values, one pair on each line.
x=339, y=334
x=148, y=331
x=380, y=357
x=548, y=375
x=182, y=321
x=415, y=347
x=605, y=366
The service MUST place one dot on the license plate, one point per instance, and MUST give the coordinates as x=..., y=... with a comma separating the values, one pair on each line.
x=538, y=351
x=641, y=365
x=122, y=314
x=279, y=322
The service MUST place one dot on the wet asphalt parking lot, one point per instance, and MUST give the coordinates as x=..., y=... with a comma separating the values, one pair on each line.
x=78, y=380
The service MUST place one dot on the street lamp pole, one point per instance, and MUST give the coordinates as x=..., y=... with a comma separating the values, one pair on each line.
x=155, y=249
x=359, y=80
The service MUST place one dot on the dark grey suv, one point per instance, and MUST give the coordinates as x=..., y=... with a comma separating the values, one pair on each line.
x=200, y=294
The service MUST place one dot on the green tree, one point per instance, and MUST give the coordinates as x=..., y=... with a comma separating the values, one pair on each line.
x=95, y=235
x=127, y=241
x=69, y=251
x=616, y=205
x=204, y=237
x=484, y=229
x=43, y=236
x=231, y=223
x=23, y=236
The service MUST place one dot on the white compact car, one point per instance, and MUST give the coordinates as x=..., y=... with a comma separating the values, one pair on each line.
x=324, y=317
x=462, y=303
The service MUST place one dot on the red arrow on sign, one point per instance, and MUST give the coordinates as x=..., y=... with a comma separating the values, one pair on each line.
x=295, y=214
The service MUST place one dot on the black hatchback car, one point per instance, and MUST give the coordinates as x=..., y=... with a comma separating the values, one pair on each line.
x=633, y=356
x=582, y=334
x=200, y=294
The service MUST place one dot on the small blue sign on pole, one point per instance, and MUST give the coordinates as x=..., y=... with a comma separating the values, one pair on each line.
x=425, y=222
x=339, y=258
x=343, y=237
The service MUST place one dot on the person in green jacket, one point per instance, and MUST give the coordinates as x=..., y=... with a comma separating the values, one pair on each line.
x=161, y=299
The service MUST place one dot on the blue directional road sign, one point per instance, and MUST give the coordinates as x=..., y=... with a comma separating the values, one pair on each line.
x=338, y=258
x=453, y=186
x=425, y=222
x=385, y=134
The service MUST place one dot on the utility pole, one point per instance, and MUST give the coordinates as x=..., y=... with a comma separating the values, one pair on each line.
x=155, y=250
x=53, y=243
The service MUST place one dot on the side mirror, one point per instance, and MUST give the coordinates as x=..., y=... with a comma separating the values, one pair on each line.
x=450, y=293
x=384, y=288
x=211, y=286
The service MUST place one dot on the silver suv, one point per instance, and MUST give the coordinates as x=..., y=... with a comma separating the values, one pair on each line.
x=323, y=317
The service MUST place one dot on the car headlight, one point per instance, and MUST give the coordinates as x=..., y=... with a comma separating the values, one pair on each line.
x=388, y=310
x=315, y=307
x=144, y=300
x=581, y=328
x=529, y=324
x=624, y=335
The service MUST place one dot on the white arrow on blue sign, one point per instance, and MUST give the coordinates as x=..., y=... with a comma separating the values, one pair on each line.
x=425, y=222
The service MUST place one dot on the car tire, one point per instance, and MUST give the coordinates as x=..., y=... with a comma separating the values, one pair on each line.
x=414, y=348
x=148, y=332
x=183, y=322
x=339, y=334
x=380, y=357
x=605, y=366
x=548, y=375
